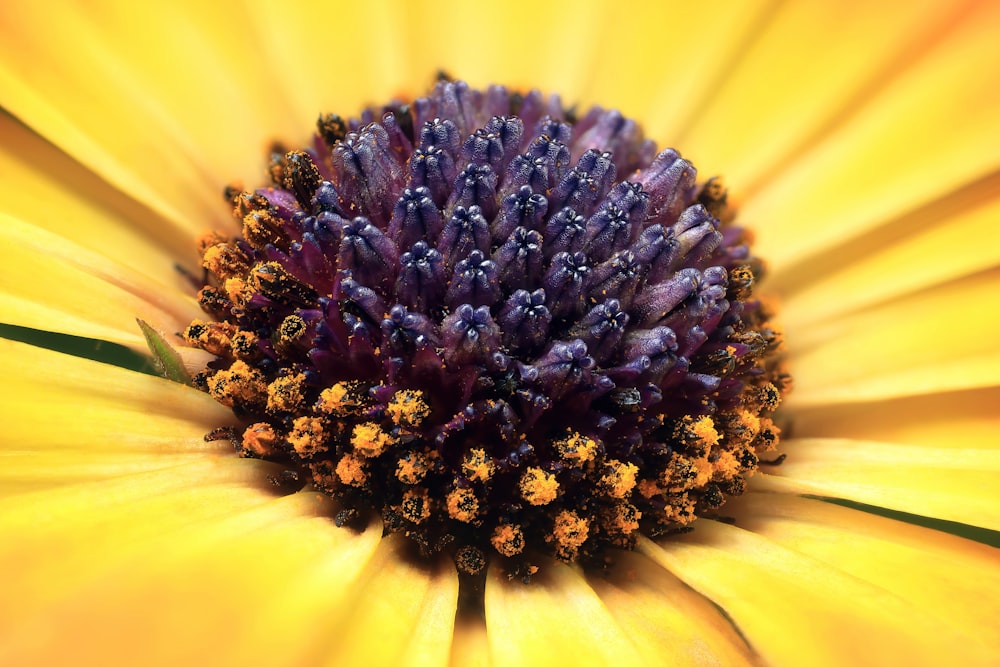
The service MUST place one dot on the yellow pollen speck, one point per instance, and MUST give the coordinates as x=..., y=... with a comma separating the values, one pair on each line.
x=538, y=487
x=286, y=394
x=463, y=505
x=408, y=408
x=341, y=400
x=619, y=478
x=477, y=465
x=259, y=440
x=308, y=436
x=577, y=449
x=370, y=440
x=508, y=540
x=352, y=471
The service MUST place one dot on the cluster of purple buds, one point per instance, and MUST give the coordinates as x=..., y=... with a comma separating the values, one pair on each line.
x=506, y=328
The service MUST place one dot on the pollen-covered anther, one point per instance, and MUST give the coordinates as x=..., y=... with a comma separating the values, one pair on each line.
x=308, y=437
x=576, y=450
x=508, y=540
x=477, y=465
x=463, y=505
x=621, y=519
x=470, y=560
x=538, y=487
x=569, y=532
x=286, y=393
x=619, y=478
x=240, y=385
x=370, y=440
x=213, y=337
x=416, y=506
x=259, y=440
x=412, y=467
x=343, y=399
x=408, y=409
x=352, y=470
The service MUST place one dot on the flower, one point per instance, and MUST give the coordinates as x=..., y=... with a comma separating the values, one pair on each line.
x=863, y=146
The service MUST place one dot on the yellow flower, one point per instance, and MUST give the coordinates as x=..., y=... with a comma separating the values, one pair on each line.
x=863, y=143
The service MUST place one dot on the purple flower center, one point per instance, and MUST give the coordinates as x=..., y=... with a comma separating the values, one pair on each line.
x=507, y=329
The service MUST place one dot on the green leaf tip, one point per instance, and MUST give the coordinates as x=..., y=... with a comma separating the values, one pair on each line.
x=168, y=362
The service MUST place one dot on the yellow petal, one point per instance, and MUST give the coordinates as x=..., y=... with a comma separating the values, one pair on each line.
x=666, y=620
x=512, y=45
x=139, y=129
x=792, y=84
x=936, y=340
x=325, y=59
x=404, y=615
x=557, y=619
x=964, y=419
x=188, y=602
x=69, y=536
x=952, y=483
x=930, y=570
x=926, y=132
x=48, y=189
x=304, y=617
x=55, y=402
x=52, y=284
x=797, y=610
x=931, y=251
x=664, y=75
x=23, y=471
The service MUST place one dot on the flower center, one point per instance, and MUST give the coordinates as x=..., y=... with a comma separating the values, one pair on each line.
x=508, y=329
